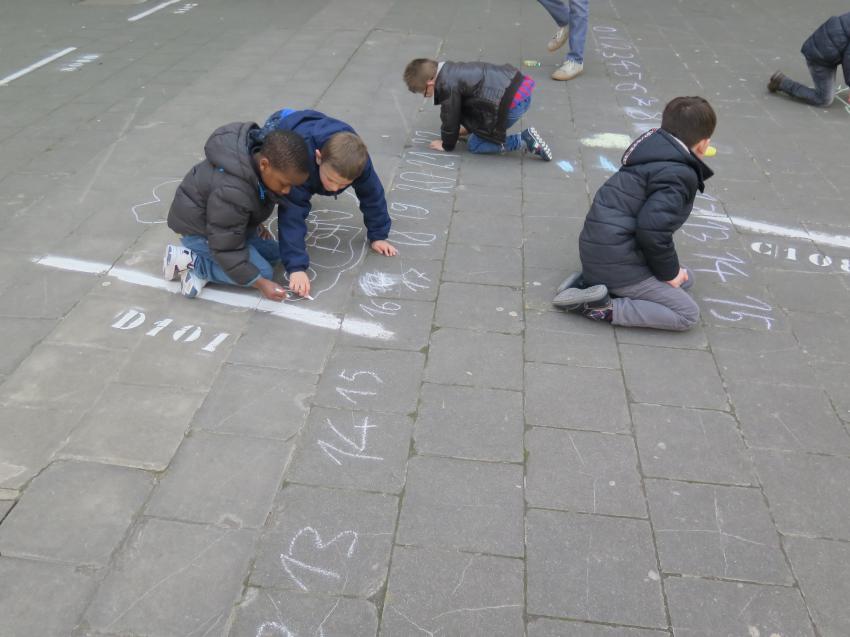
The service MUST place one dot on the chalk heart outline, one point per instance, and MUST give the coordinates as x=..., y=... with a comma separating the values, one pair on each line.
x=155, y=218
x=289, y=561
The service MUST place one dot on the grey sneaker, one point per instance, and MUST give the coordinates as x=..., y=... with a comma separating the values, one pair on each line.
x=574, y=280
x=191, y=284
x=573, y=299
x=559, y=38
x=568, y=70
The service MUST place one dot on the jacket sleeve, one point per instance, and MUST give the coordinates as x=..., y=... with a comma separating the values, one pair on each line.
x=373, y=203
x=292, y=230
x=227, y=225
x=450, y=110
x=666, y=208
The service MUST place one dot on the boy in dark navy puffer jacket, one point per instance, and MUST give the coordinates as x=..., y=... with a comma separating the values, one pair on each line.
x=824, y=50
x=626, y=245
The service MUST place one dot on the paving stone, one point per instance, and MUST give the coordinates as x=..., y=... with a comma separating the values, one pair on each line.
x=474, y=228
x=433, y=591
x=823, y=340
x=678, y=377
x=815, y=292
x=42, y=598
x=558, y=628
x=371, y=380
x=409, y=321
x=463, y=504
x=821, y=568
x=172, y=578
x=327, y=542
x=691, y=444
x=583, y=472
x=705, y=608
x=472, y=200
x=480, y=307
x=571, y=348
x=575, y=398
x=465, y=357
x=592, y=568
x=43, y=292
x=808, y=494
x=211, y=475
x=494, y=265
x=403, y=277
x=789, y=417
x=746, y=354
x=269, y=612
x=91, y=506
x=355, y=450
x=21, y=335
x=714, y=531
x=470, y=422
x=257, y=401
x=5, y=507
x=694, y=338
x=833, y=378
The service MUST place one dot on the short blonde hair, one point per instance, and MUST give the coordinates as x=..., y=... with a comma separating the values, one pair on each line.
x=346, y=154
x=418, y=73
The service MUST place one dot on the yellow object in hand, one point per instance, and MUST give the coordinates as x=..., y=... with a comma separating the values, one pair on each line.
x=711, y=151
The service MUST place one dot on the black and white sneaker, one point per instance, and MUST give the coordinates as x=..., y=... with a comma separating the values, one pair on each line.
x=535, y=144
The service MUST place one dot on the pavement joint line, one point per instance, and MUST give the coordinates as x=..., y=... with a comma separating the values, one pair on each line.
x=37, y=65
x=145, y=14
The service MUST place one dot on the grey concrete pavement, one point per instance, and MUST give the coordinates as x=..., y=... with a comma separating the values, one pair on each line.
x=428, y=447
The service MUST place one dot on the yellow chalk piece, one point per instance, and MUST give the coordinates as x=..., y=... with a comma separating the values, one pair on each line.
x=711, y=151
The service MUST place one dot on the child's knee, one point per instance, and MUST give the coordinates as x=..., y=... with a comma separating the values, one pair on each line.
x=688, y=317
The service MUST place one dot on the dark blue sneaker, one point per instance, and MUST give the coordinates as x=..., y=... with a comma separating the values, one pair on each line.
x=535, y=144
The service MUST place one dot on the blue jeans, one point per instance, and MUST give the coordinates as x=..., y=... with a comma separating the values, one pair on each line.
x=512, y=142
x=824, y=91
x=574, y=15
x=263, y=253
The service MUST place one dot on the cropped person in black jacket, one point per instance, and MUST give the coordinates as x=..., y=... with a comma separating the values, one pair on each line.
x=824, y=50
x=478, y=99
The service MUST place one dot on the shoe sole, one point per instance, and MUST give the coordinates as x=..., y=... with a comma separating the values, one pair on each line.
x=569, y=282
x=575, y=298
x=541, y=145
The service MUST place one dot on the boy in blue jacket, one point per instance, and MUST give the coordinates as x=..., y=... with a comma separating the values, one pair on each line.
x=339, y=159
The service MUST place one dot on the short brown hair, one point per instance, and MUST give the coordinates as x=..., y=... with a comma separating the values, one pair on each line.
x=418, y=73
x=286, y=150
x=346, y=154
x=691, y=119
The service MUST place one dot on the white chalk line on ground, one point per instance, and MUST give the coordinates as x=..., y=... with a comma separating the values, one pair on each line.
x=298, y=313
x=36, y=65
x=760, y=227
x=145, y=14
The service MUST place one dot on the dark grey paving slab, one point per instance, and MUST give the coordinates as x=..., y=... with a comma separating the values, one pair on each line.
x=327, y=542
x=495, y=265
x=463, y=504
x=694, y=338
x=42, y=292
x=21, y=335
x=592, y=568
x=575, y=398
x=746, y=354
x=211, y=474
x=691, y=444
x=823, y=340
x=469, y=199
x=559, y=628
x=583, y=471
x=409, y=321
x=470, y=422
x=821, y=567
x=465, y=357
x=705, y=608
x=91, y=506
x=492, y=308
x=433, y=591
x=549, y=338
x=486, y=229
x=172, y=578
x=833, y=379
x=808, y=494
x=403, y=277
x=678, y=377
x=808, y=292
x=42, y=598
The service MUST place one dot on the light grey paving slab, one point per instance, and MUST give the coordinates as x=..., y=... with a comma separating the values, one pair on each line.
x=592, y=568
x=355, y=450
x=822, y=340
x=257, y=401
x=559, y=628
x=463, y=504
x=5, y=507
x=833, y=378
x=583, y=471
x=172, y=578
x=271, y=612
x=43, y=292
x=409, y=322
x=470, y=422
x=21, y=335
x=91, y=506
x=678, y=377
x=714, y=531
x=808, y=494
x=808, y=292
x=494, y=265
x=746, y=354
x=327, y=542
x=403, y=277
x=465, y=357
x=793, y=418
x=433, y=591
x=42, y=598
x=133, y=426
x=492, y=308
x=705, y=608
x=691, y=444
x=475, y=228
x=821, y=568
x=371, y=380
x=221, y=479
x=575, y=398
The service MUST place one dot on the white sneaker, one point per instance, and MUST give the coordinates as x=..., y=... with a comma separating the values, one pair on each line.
x=176, y=259
x=568, y=70
x=191, y=284
x=559, y=38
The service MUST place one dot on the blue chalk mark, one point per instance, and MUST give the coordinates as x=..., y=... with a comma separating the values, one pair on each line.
x=605, y=164
x=566, y=166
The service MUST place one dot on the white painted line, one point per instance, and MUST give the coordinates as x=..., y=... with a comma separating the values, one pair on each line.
x=37, y=65
x=145, y=14
x=759, y=227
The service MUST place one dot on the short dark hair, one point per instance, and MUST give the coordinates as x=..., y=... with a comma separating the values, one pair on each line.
x=418, y=73
x=286, y=151
x=691, y=119
x=346, y=153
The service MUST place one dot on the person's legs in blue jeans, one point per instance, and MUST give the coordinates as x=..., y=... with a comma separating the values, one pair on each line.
x=512, y=142
x=262, y=253
x=578, y=30
x=823, y=92
x=558, y=10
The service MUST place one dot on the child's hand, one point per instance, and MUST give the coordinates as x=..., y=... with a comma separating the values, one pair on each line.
x=299, y=283
x=382, y=246
x=680, y=278
x=271, y=290
x=437, y=144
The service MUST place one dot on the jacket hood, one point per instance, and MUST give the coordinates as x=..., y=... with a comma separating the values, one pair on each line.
x=658, y=145
x=230, y=148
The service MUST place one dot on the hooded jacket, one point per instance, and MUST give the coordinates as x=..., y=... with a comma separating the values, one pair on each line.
x=827, y=46
x=223, y=199
x=628, y=233
x=477, y=95
x=316, y=128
